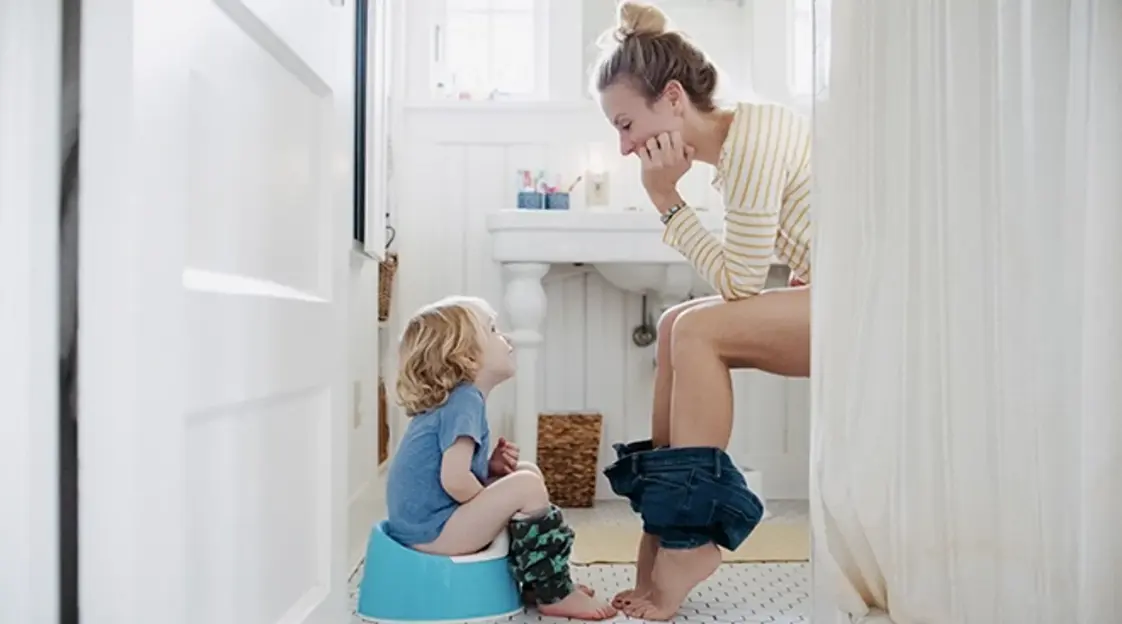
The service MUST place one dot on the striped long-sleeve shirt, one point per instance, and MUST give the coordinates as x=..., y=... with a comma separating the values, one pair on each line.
x=764, y=177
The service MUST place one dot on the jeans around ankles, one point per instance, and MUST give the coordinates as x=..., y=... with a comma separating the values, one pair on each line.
x=620, y=474
x=687, y=496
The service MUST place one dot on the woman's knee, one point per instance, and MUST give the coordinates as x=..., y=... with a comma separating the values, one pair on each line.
x=670, y=317
x=666, y=321
x=692, y=326
x=769, y=331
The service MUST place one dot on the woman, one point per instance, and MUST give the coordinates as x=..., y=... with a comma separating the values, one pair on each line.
x=657, y=90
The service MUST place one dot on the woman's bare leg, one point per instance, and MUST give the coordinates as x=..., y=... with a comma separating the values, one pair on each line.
x=664, y=367
x=768, y=332
x=660, y=436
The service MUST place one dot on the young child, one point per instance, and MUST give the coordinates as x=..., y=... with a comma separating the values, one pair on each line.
x=447, y=492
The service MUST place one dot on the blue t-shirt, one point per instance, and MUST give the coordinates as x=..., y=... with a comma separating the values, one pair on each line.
x=417, y=504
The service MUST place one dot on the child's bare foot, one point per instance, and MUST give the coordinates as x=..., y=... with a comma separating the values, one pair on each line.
x=644, y=563
x=579, y=606
x=676, y=573
x=529, y=599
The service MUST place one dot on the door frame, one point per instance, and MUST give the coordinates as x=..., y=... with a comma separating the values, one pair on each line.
x=30, y=114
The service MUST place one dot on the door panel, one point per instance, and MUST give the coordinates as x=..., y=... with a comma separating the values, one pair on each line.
x=299, y=24
x=265, y=385
x=216, y=235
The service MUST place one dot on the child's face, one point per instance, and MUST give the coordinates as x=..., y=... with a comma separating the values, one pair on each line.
x=498, y=354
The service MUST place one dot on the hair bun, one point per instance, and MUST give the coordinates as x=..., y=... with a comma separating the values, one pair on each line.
x=638, y=18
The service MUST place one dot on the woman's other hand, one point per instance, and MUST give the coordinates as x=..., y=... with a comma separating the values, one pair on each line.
x=666, y=158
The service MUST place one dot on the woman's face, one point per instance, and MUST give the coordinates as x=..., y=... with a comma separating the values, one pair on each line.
x=634, y=120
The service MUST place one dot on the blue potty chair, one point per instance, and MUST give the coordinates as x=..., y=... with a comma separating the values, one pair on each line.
x=400, y=584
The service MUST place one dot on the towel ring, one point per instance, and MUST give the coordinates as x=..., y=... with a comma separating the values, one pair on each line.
x=391, y=234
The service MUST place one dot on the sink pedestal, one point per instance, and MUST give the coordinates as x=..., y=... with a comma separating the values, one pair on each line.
x=524, y=301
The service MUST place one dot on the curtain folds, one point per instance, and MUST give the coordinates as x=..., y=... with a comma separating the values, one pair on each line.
x=966, y=453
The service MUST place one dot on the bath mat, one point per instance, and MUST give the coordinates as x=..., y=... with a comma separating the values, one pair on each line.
x=771, y=542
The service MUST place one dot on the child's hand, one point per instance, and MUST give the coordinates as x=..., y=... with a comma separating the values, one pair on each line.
x=504, y=459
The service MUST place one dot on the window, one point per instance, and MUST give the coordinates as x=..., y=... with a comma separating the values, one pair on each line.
x=809, y=51
x=489, y=50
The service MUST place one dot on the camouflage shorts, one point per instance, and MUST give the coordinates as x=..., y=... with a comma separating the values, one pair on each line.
x=539, y=555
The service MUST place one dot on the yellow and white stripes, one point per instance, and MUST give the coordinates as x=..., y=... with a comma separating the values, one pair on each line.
x=764, y=175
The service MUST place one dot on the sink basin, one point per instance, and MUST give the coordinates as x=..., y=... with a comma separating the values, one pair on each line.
x=670, y=282
x=560, y=236
x=626, y=248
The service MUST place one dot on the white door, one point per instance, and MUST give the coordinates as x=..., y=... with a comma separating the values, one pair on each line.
x=216, y=194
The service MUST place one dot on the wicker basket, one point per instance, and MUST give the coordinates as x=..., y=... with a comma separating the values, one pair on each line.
x=386, y=271
x=568, y=455
x=383, y=424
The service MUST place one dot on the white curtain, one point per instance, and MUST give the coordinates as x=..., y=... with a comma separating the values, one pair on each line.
x=967, y=376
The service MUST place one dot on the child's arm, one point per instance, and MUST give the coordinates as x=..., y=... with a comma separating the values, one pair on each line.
x=463, y=426
x=456, y=476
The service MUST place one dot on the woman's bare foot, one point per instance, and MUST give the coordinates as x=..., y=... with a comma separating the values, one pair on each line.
x=529, y=599
x=644, y=563
x=676, y=573
x=579, y=606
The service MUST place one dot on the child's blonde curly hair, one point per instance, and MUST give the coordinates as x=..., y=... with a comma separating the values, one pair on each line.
x=440, y=348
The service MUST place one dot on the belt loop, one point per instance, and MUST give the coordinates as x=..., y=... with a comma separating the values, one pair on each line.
x=717, y=463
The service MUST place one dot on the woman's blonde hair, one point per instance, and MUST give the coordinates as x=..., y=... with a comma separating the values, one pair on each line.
x=646, y=54
x=440, y=349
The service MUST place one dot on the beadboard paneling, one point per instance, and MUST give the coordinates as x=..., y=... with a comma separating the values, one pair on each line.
x=455, y=167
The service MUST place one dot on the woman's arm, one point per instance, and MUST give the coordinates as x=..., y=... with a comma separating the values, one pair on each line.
x=755, y=179
x=737, y=267
x=456, y=476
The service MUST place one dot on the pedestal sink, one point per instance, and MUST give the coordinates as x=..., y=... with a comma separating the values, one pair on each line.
x=625, y=247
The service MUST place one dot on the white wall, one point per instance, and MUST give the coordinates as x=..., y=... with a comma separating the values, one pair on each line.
x=364, y=478
x=456, y=163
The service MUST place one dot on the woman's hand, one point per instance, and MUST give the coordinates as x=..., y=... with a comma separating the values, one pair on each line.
x=666, y=158
x=504, y=459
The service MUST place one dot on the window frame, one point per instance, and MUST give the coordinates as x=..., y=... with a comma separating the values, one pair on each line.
x=436, y=23
x=800, y=16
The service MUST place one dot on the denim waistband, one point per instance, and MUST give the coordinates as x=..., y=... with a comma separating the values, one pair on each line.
x=669, y=459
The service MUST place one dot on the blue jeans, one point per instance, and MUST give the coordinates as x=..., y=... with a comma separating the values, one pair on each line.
x=687, y=496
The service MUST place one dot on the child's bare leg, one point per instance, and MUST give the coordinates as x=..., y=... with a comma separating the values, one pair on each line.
x=528, y=593
x=539, y=553
x=521, y=495
x=480, y=520
x=529, y=467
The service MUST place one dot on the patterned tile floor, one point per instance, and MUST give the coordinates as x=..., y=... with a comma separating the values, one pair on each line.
x=777, y=593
